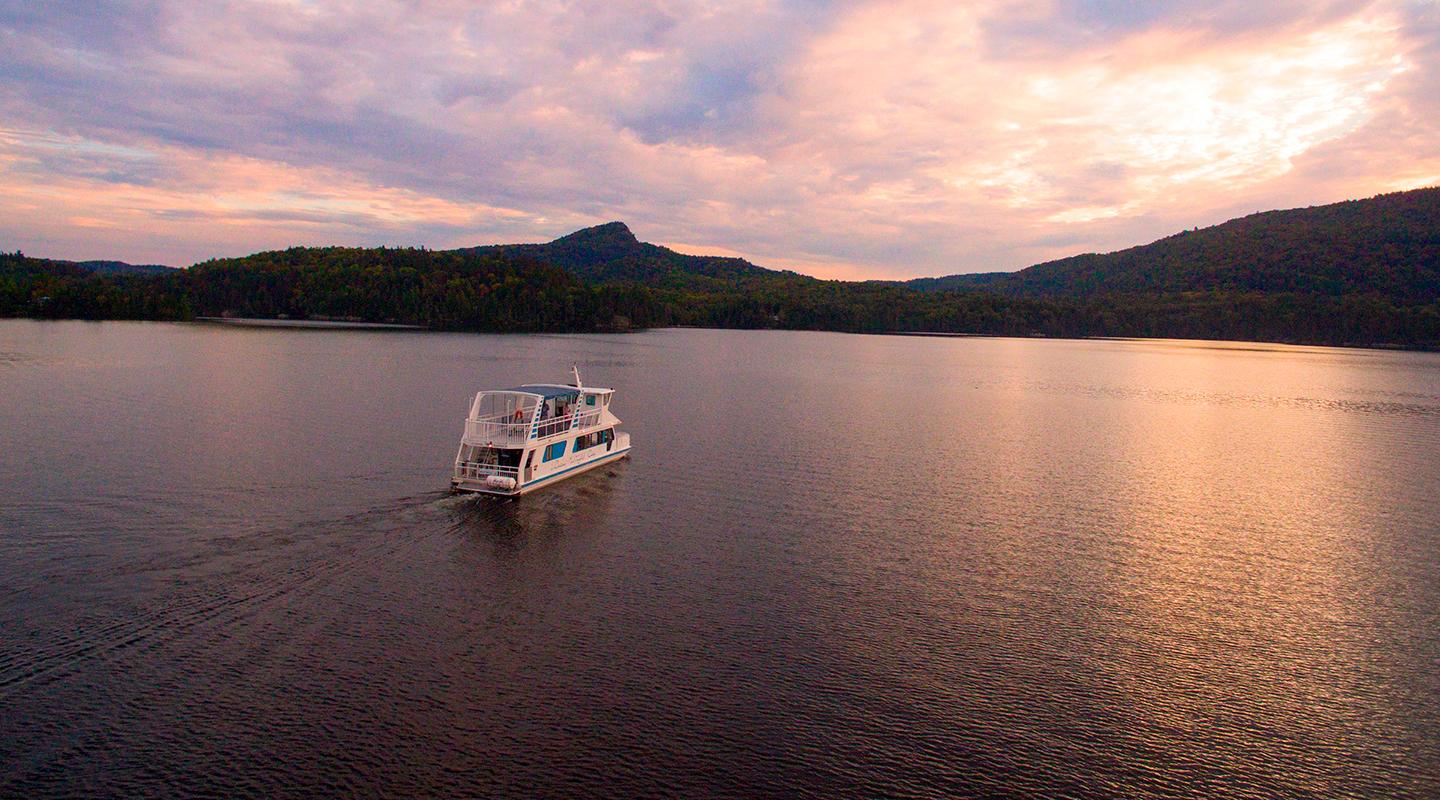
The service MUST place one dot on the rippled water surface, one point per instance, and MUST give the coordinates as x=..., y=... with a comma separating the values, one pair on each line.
x=835, y=566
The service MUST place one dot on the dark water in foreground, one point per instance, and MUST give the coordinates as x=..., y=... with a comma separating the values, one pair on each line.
x=836, y=566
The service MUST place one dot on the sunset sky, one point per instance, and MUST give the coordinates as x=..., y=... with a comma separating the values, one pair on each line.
x=840, y=139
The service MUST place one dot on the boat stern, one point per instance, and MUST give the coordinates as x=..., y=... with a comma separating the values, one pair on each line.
x=486, y=484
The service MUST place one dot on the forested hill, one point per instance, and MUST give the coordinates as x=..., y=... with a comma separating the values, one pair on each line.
x=955, y=283
x=443, y=290
x=1361, y=273
x=1387, y=246
x=122, y=268
x=610, y=253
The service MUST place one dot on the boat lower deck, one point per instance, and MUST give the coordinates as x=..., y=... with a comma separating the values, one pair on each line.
x=478, y=486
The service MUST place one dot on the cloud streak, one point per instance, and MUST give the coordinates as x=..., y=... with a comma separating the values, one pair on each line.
x=850, y=139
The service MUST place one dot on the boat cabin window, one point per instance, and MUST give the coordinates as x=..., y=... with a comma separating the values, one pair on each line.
x=589, y=399
x=559, y=406
x=555, y=451
x=591, y=439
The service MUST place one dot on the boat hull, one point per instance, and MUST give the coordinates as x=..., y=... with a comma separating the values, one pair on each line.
x=479, y=487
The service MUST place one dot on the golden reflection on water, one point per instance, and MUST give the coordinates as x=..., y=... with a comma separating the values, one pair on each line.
x=1204, y=521
x=835, y=565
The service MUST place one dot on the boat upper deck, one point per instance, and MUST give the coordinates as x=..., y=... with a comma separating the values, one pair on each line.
x=514, y=417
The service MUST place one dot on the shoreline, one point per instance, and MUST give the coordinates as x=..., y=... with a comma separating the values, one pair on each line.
x=322, y=324
x=309, y=324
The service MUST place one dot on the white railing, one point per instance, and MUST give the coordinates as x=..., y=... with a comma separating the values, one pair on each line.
x=552, y=426
x=587, y=417
x=496, y=430
x=475, y=470
x=503, y=429
x=559, y=425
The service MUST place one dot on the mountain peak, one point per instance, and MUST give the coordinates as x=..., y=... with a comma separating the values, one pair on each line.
x=611, y=253
x=611, y=233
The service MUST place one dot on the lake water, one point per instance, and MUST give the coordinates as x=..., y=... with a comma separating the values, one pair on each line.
x=835, y=566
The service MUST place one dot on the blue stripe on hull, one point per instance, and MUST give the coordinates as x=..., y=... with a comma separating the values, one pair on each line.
x=597, y=462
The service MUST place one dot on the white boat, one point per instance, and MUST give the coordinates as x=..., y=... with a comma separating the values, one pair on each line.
x=521, y=439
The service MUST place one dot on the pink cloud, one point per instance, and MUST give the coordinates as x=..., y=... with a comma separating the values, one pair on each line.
x=861, y=139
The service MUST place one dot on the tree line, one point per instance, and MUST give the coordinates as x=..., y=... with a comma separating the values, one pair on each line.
x=458, y=290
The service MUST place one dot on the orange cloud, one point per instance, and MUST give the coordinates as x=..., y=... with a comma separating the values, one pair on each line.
x=226, y=204
x=865, y=139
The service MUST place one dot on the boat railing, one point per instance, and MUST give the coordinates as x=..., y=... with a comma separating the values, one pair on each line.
x=476, y=470
x=559, y=425
x=496, y=430
x=503, y=429
x=588, y=417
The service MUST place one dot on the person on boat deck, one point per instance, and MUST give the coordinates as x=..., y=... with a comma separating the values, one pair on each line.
x=519, y=415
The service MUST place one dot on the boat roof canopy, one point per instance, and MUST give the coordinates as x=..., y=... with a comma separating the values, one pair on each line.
x=552, y=390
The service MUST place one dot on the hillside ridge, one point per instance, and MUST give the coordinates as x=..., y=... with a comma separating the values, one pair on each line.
x=1387, y=245
x=611, y=253
x=1358, y=273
